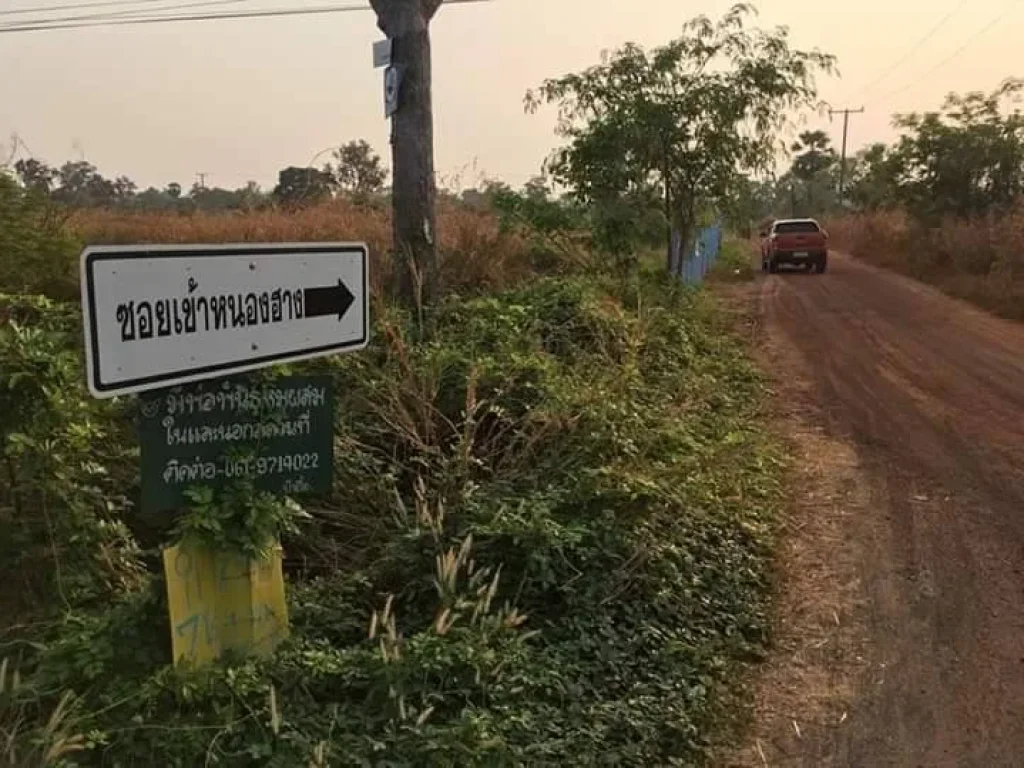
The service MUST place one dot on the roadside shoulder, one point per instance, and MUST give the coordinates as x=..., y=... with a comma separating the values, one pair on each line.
x=802, y=692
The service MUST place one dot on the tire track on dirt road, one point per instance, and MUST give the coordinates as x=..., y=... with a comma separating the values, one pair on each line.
x=930, y=393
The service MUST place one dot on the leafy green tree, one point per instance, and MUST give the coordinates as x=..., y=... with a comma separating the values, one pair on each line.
x=251, y=196
x=38, y=255
x=682, y=120
x=965, y=159
x=153, y=199
x=35, y=175
x=297, y=186
x=814, y=155
x=534, y=206
x=81, y=185
x=220, y=199
x=359, y=170
x=750, y=201
x=874, y=178
x=484, y=196
x=814, y=164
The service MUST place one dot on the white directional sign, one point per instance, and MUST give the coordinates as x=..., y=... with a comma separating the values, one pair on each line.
x=156, y=316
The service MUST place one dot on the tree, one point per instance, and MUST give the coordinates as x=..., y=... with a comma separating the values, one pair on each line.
x=874, y=178
x=296, y=186
x=964, y=160
x=750, y=202
x=483, y=198
x=35, y=175
x=82, y=186
x=250, y=196
x=359, y=170
x=813, y=170
x=174, y=190
x=814, y=155
x=37, y=250
x=414, y=194
x=683, y=119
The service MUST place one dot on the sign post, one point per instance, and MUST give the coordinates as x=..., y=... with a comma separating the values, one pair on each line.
x=177, y=324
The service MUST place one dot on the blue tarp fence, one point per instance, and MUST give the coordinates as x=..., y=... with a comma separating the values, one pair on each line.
x=706, y=247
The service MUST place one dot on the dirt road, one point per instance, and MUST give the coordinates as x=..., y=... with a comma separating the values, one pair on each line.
x=929, y=395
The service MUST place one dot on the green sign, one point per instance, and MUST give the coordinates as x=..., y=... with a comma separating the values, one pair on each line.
x=278, y=433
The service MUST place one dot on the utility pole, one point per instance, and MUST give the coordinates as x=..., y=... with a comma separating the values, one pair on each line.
x=414, y=193
x=846, y=129
x=202, y=179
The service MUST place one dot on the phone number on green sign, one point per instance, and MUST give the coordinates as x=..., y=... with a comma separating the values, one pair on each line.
x=179, y=473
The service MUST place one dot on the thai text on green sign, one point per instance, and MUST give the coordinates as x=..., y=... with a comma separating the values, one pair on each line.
x=277, y=433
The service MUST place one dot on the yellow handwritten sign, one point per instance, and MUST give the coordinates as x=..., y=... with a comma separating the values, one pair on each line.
x=222, y=602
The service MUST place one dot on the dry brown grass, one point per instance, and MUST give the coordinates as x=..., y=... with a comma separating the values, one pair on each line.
x=475, y=254
x=981, y=260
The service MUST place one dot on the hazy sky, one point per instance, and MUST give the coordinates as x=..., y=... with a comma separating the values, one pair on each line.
x=240, y=100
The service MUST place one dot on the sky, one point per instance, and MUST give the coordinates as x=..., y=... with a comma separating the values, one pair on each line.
x=239, y=100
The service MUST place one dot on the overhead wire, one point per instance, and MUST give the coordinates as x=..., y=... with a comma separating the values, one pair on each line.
x=914, y=48
x=71, y=24
x=966, y=44
x=73, y=7
x=65, y=23
x=130, y=13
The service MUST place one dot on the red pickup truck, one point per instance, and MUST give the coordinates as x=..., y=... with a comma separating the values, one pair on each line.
x=801, y=242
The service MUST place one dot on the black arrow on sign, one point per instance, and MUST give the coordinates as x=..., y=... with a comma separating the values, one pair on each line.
x=328, y=300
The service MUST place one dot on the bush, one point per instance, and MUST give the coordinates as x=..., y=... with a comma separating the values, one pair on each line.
x=66, y=472
x=36, y=254
x=564, y=507
x=735, y=263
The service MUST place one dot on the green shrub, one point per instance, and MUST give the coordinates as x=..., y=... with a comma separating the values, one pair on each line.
x=66, y=475
x=36, y=254
x=565, y=510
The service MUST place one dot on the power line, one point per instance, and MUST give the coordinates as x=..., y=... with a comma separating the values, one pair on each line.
x=914, y=48
x=967, y=43
x=74, y=6
x=131, y=13
x=71, y=24
x=66, y=24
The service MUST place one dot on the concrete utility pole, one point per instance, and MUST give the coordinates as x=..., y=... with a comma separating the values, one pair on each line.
x=846, y=129
x=407, y=25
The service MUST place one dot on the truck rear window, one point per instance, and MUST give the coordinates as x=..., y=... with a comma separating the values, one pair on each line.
x=793, y=227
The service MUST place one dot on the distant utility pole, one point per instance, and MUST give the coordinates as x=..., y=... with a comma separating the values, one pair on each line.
x=407, y=26
x=846, y=129
x=202, y=179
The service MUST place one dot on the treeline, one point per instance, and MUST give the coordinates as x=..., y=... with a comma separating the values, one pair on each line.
x=963, y=160
x=355, y=171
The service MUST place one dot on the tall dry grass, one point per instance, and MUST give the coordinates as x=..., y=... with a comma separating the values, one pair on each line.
x=475, y=254
x=980, y=260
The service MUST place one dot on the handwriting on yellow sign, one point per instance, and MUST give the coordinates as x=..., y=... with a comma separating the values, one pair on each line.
x=221, y=602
